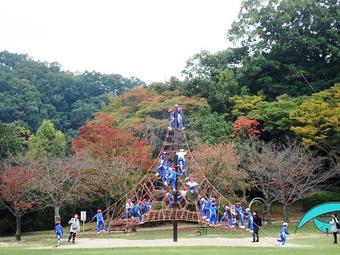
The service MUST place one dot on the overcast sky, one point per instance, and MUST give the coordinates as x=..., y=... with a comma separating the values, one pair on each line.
x=149, y=39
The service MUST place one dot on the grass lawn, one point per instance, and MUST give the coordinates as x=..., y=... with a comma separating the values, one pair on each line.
x=319, y=243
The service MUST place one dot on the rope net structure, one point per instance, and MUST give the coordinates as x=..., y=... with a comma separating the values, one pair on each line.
x=151, y=187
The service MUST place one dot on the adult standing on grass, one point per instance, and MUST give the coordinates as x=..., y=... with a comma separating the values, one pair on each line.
x=74, y=228
x=334, y=227
x=257, y=223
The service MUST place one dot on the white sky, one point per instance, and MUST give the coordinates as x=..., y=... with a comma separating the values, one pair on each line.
x=149, y=39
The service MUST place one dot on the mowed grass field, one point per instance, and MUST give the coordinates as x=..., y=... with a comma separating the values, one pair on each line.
x=39, y=243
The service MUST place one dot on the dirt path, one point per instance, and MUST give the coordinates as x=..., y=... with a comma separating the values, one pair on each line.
x=88, y=243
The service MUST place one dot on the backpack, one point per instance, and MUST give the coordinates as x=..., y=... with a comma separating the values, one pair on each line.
x=337, y=223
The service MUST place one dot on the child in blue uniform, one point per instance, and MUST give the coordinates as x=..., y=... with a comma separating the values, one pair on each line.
x=249, y=216
x=146, y=205
x=213, y=214
x=207, y=203
x=171, y=124
x=100, y=221
x=58, y=232
x=240, y=214
x=181, y=162
x=227, y=217
x=180, y=118
x=283, y=234
x=170, y=178
x=162, y=169
x=138, y=211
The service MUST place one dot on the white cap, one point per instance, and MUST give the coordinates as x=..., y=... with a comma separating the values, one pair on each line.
x=285, y=224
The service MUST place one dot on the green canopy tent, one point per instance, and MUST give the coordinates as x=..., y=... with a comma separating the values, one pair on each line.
x=317, y=211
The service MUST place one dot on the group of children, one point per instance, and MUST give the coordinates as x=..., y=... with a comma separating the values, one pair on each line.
x=75, y=227
x=137, y=209
x=172, y=118
x=168, y=173
x=233, y=215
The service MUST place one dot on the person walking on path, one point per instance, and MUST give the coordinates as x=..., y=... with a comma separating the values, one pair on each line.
x=74, y=228
x=257, y=223
x=335, y=227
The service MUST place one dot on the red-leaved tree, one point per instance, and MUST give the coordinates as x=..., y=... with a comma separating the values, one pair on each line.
x=121, y=156
x=246, y=128
x=103, y=141
x=17, y=186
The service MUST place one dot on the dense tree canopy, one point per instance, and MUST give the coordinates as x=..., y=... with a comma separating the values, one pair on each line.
x=31, y=91
x=289, y=41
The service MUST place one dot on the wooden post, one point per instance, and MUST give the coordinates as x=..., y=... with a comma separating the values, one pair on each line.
x=175, y=222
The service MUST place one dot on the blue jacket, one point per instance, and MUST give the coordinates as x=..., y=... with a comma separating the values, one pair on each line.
x=284, y=232
x=58, y=229
x=99, y=217
x=249, y=215
x=138, y=209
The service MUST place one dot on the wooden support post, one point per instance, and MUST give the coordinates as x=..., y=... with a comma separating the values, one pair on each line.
x=175, y=222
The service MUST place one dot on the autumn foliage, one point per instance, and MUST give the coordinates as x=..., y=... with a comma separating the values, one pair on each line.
x=220, y=165
x=17, y=184
x=246, y=128
x=102, y=140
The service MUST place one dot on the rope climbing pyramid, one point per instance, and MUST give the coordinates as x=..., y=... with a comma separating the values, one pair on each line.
x=174, y=189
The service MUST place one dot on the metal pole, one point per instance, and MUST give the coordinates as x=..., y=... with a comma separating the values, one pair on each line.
x=175, y=223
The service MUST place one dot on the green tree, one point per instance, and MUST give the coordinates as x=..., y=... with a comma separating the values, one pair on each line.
x=13, y=138
x=31, y=91
x=47, y=141
x=318, y=120
x=212, y=127
x=290, y=40
x=274, y=116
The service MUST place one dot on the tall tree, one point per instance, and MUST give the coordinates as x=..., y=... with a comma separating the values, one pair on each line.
x=13, y=139
x=261, y=163
x=60, y=180
x=212, y=127
x=290, y=41
x=18, y=179
x=47, y=141
x=220, y=164
x=300, y=173
x=285, y=173
x=105, y=142
x=317, y=120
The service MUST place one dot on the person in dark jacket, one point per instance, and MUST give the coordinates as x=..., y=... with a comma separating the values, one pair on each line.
x=257, y=223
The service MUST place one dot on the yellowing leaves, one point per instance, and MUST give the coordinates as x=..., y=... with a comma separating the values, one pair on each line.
x=318, y=118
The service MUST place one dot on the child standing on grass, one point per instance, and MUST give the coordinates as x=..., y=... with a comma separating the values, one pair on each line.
x=283, y=234
x=58, y=232
x=334, y=227
x=74, y=228
x=100, y=221
x=257, y=223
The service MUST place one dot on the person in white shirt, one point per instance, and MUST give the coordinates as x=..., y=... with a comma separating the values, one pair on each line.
x=192, y=185
x=74, y=228
x=129, y=208
x=334, y=227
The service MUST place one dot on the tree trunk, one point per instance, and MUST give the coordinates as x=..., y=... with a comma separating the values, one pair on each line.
x=107, y=204
x=57, y=213
x=18, y=224
x=269, y=213
x=285, y=212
